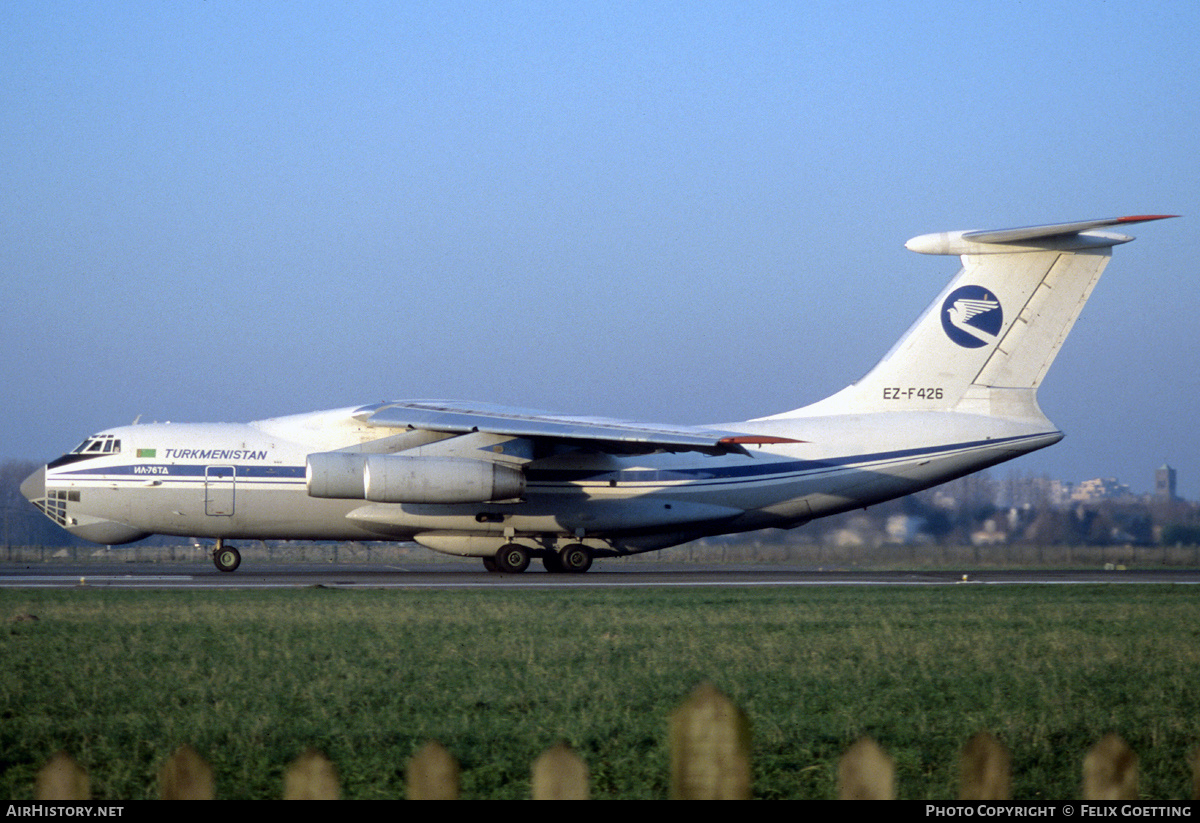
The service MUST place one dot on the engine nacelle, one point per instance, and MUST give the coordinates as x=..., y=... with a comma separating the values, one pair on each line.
x=335, y=474
x=390, y=478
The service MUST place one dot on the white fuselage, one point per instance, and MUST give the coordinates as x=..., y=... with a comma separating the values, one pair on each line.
x=248, y=481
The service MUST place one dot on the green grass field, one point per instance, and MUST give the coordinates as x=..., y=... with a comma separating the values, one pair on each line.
x=252, y=678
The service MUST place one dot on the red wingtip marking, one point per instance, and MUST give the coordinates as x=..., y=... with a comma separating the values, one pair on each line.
x=1142, y=218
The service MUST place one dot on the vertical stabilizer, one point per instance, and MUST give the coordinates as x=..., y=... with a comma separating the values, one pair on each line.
x=985, y=344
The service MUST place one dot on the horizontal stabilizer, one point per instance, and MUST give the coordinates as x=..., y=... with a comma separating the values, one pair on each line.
x=1053, y=237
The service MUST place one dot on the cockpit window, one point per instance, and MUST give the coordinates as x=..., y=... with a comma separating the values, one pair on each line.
x=96, y=446
x=99, y=444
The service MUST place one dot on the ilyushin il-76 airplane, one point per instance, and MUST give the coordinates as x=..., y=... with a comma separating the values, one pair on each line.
x=956, y=394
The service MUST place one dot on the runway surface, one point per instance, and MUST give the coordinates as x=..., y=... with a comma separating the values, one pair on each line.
x=469, y=575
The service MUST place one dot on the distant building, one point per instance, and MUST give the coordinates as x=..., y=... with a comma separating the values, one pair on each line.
x=1164, y=482
x=1060, y=492
x=905, y=529
x=1101, y=488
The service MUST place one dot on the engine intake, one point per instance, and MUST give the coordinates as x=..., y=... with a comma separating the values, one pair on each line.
x=390, y=478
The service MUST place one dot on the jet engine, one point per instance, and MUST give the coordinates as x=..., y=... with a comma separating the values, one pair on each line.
x=390, y=478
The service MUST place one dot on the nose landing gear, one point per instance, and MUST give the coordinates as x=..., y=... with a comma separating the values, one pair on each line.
x=225, y=558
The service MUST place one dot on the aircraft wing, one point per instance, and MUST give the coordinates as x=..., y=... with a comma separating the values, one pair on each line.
x=605, y=433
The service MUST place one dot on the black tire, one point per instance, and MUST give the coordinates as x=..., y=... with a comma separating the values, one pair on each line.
x=575, y=558
x=227, y=559
x=512, y=558
x=552, y=563
x=489, y=563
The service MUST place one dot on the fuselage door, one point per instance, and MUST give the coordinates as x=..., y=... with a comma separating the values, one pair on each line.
x=219, y=484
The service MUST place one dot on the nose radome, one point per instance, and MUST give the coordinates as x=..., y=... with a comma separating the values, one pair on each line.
x=34, y=486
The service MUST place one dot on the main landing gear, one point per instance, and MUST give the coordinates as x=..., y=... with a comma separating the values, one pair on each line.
x=225, y=558
x=513, y=558
x=573, y=558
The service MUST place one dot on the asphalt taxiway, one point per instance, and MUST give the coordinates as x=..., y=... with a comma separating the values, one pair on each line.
x=467, y=575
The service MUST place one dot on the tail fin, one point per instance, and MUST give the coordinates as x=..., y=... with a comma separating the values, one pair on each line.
x=984, y=345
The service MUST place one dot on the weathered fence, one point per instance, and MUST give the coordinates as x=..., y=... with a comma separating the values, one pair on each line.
x=710, y=760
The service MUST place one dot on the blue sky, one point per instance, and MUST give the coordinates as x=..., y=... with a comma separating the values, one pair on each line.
x=677, y=212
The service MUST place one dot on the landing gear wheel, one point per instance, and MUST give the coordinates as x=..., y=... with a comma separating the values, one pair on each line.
x=575, y=558
x=552, y=563
x=226, y=558
x=512, y=558
x=489, y=563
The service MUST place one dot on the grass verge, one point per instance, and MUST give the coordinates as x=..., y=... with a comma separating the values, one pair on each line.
x=119, y=679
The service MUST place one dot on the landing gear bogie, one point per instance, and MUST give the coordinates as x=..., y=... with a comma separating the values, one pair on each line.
x=514, y=558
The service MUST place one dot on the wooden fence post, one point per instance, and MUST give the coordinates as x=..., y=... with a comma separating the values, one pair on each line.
x=62, y=779
x=560, y=774
x=1110, y=771
x=311, y=777
x=986, y=769
x=710, y=759
x=186, y=776
x=432, y=774
x=865, y=772
x=710, y=748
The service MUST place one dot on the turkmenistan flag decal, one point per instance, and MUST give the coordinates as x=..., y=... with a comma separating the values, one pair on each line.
x=147, y=452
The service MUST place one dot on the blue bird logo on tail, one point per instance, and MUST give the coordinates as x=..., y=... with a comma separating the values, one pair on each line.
x=972, y=317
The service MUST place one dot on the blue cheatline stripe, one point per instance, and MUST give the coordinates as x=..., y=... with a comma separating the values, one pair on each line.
x=178, y=470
